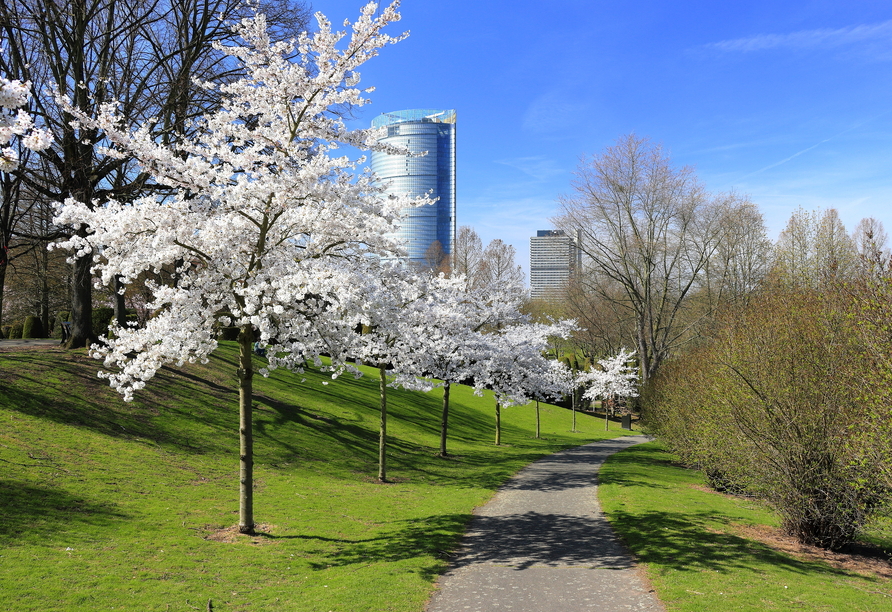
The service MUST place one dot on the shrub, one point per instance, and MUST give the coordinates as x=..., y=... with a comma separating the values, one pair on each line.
x=226, y=333
x=773, y=404
x=15, y=331
x=102, y=316
x=32, y=327
x=5, y=330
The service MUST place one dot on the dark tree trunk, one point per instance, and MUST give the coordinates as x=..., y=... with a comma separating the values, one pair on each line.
x=2, y=283
x=246, y=432
x=537, y=419
x=498, y=423
x=382, y=437
x=444, y=422
x=81, y=300
x=120, y=305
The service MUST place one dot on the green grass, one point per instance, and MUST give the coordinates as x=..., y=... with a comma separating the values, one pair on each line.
x=689, y=539
x=110, y=506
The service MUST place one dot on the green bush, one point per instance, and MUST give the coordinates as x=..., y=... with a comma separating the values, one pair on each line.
x=102, y=316
x=773, y=404
x=4, y=331
x=33, y=327
x=16, y=331
x=225, y=333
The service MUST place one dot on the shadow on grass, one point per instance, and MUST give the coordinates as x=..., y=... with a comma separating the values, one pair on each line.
x=680, y=541
x=38, y=515
x=63, y=387
x=684, y=541
x=432, y=536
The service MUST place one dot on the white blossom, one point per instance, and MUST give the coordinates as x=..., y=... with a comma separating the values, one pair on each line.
x=269, y=230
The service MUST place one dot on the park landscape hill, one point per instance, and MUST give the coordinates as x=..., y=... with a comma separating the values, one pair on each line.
x=107, y=505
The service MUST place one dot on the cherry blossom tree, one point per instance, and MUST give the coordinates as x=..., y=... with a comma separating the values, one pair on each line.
x=269, y=227
x=514, y=362
x=453, y=349
x=614, y=378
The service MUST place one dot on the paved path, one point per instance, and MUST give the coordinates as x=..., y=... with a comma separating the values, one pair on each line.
x=542, y=545
x=30, y=342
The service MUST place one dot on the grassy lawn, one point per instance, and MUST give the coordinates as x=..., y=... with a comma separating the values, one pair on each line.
x=694, y=546
x=113, y=506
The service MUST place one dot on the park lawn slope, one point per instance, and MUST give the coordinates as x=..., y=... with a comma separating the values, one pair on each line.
x=106, y=505
x=693, y=543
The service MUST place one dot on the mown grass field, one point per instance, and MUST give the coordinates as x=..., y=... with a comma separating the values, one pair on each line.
x=113, y=506
x=698, y=552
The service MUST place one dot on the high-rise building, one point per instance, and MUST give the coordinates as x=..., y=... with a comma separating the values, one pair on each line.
x=420, y=131
x=553, y=259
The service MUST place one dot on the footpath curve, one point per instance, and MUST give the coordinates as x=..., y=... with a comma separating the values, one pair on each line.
x=542, y=545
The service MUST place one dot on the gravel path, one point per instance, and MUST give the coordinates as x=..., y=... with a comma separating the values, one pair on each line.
x=542, y=545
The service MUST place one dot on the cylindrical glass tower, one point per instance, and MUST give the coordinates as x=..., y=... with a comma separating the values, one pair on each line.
x=420, y=131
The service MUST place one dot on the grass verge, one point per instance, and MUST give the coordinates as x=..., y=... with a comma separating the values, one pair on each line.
x=113, y=506
x=693, y=543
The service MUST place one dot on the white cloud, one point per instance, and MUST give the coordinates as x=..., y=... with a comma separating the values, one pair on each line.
x=823, y=38
x=538, y=167
x=552, y=112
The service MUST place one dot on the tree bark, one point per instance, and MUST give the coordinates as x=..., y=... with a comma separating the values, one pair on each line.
x=246, y=432
x=382, y=437
x=120, y=305
x=537, y=419
x=81, y=316
x=444, y=422
x=498, y=423
x=2, y=284
x=573, y=407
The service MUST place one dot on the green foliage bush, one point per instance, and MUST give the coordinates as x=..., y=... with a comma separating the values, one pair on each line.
x=15, y=332
x=101, y=318
x=226, y=333
x=4, y=331
x=32, y=327
x=774, y=404
x=60, y=317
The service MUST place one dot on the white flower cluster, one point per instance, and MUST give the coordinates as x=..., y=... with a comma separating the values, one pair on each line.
x=16, y=122
x=614, y=378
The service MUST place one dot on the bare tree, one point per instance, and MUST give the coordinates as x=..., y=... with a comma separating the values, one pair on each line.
x=814, y=249
x=497, y=266
x=871, y=242
x=648, y=229
x=140, y=54
x=467, y=252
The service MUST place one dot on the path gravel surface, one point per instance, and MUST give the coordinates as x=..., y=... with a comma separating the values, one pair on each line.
x=542, y=545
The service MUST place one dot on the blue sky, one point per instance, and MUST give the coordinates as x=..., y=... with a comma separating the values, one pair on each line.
x=788, y=102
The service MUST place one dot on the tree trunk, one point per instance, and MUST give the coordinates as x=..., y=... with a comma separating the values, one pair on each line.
x=573, y=407
x=81, y=316
x=537, y=419
x=120, y=305
x=498, y=423
x=606, y=404
x=444, y=422
x=2, y=284
x=246, y=431
x=382, y=437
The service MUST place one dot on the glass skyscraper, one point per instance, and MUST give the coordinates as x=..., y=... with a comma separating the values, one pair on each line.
x=419, y=131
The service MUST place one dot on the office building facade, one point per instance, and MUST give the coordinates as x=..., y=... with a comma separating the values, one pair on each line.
x=554, y=257
x=419, y=131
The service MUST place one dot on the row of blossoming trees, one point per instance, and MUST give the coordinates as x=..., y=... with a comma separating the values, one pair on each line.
x=266, y=227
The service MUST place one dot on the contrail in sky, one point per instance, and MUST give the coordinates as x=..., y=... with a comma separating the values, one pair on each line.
x=814, y=146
